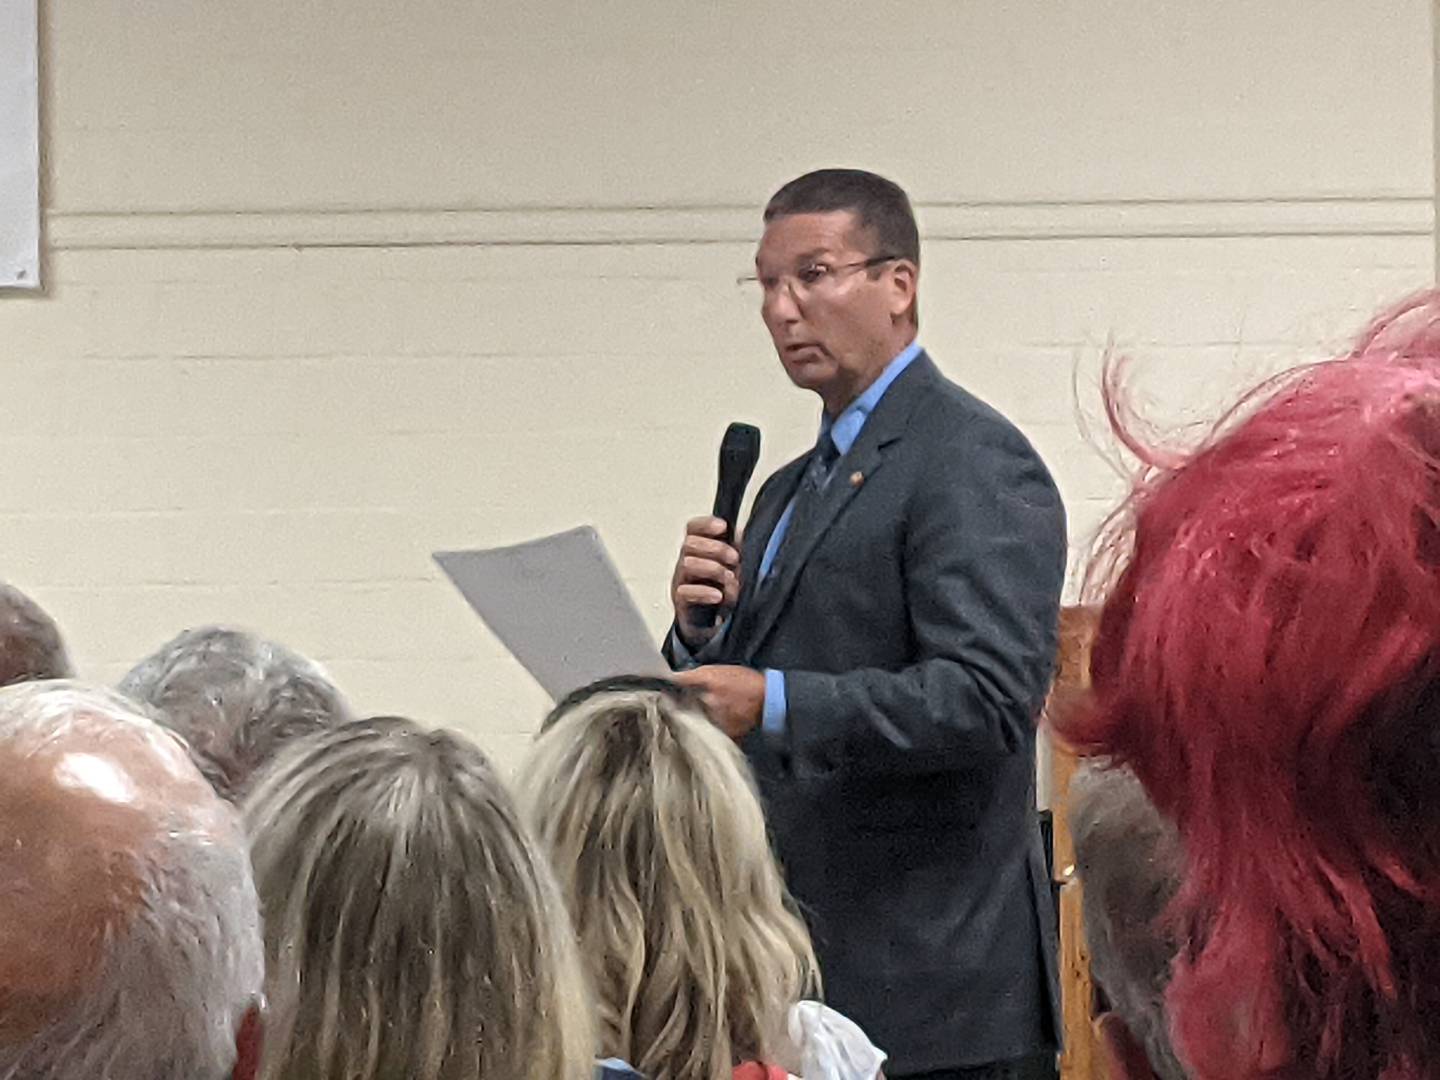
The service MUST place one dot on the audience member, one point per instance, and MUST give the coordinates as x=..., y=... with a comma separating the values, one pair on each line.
x=1268, y=663
x=236, y=699
x=697, y=958
x=30, y=644
x=412, y=928
x=1128, y=859
x=129, y=932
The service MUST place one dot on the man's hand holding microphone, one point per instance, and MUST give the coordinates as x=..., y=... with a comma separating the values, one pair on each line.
x=706, y=587
x=706, y=582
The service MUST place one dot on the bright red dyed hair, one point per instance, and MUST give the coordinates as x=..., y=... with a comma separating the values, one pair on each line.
x=1268, y=662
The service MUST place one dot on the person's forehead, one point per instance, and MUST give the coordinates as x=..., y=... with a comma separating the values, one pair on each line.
x=798, y=236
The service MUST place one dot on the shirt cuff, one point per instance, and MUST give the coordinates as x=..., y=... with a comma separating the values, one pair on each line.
x=684, y=658
x=773, y=718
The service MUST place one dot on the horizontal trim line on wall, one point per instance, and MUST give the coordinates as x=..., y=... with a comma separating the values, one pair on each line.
x=638, y=225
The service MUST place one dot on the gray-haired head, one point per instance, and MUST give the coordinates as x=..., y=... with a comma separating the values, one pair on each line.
x=1129, y=860
x=129, y=930
x=236, y=699
x=652, y=821
x=30, y=644
x=413, y=929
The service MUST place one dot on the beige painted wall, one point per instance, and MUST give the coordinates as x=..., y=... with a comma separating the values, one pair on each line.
x=334, y=285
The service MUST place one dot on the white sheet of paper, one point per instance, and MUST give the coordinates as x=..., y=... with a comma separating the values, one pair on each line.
x=19, y=146
x=559, y=606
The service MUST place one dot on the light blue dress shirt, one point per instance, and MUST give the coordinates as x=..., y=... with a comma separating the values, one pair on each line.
x=844, y=430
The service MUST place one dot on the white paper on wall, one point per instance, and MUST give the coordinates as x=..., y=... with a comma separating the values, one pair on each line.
x=19, y=146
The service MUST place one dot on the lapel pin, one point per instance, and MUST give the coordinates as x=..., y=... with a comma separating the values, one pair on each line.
x=857, y=478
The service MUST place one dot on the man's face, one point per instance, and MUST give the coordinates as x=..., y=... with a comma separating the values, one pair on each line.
x=834, y=321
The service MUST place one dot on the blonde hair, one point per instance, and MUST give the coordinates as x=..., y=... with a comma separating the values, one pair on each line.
x=413, y=930
x=652, y=821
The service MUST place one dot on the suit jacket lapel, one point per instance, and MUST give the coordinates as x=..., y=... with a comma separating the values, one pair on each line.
x=885, y=426
x=769, y=506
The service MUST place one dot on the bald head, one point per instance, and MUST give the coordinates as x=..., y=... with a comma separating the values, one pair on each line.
x=129, y=940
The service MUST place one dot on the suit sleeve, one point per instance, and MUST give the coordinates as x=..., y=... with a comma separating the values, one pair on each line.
x=984, y=555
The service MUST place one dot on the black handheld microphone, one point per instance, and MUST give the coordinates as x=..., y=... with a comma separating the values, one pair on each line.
x=739, y=451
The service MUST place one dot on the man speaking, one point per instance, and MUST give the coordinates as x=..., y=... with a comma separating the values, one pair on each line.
x=886, y=636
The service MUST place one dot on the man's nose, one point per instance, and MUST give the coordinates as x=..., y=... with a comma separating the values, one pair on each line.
x=781, y=305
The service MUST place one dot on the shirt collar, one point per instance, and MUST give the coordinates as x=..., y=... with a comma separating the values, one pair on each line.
x=846, y=427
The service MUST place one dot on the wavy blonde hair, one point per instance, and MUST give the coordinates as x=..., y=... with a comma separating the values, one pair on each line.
x=655, y=830
x=413, y=930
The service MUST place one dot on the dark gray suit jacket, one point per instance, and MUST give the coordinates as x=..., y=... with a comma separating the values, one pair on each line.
x=915, y=619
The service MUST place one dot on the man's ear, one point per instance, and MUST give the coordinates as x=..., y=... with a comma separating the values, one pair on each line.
x=249, y=1042
x=904, y=281
x=1124, y=1057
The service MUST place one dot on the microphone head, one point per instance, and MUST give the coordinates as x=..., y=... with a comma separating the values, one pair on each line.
x=740, y=451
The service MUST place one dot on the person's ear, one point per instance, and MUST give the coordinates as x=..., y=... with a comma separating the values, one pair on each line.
x=904, y=280
x=249, y=1042
x=1124, y=1057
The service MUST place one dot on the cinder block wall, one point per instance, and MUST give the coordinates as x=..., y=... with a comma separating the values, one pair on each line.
x=333, y=286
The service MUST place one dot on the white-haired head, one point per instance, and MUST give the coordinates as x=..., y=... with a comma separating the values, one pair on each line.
x=31, y=647
x=412, y=927
x=236, y=699
x=1129, y=860
x=129, y=929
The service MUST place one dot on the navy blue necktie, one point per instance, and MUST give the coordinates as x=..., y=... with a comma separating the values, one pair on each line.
x=818, y=469
x=807, y=497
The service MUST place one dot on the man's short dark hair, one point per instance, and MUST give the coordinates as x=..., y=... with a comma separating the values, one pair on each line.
x=880, y=205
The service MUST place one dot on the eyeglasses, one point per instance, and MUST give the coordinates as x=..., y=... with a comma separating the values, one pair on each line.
x=810, y=278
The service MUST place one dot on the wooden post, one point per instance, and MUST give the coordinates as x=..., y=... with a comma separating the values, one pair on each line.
x=1082, y=1058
